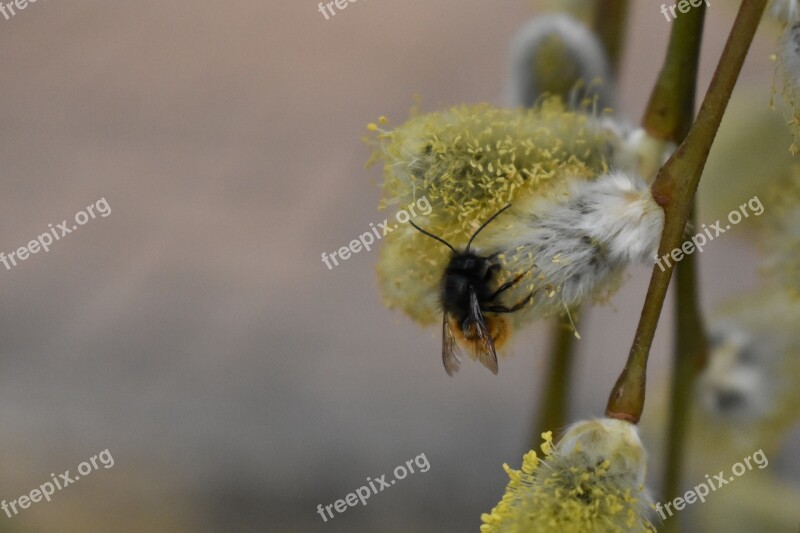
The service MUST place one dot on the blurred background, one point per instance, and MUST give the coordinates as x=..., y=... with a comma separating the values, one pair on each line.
x=195, y=332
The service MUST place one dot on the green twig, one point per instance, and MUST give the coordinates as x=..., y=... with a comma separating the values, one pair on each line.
x=610, y=19
x=554, y=403
x=669, y=116
x=670, y=111
x=674, y=190
x=689, y=357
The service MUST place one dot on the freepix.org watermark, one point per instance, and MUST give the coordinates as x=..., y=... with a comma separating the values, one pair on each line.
x=699, y=492
x=55, y=233
x=365, y=240
x=13, y=7
x=61, y=482
x=364, y=492
x=327, y=7
x=711, y=232
x=683, y=6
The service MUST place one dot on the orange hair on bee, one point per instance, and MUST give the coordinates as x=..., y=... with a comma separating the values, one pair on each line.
x=499, y=328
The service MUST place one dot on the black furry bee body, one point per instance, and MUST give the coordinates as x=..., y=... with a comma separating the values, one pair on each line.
x=467, y=294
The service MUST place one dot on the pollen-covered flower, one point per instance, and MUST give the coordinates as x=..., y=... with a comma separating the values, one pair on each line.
x=592, y=480
x=469, y=162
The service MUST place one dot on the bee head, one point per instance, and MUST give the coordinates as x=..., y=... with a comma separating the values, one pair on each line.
x=468, y=265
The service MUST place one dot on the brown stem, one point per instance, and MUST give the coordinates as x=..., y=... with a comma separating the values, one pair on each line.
x=554, y=402
x=669, y=116
x=670, y=111
x=610, y=19
x=689, y=357
x=674, y=190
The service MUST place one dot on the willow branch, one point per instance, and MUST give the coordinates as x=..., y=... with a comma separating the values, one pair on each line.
x=670, y=111
x=610, y=19
x=674, y=190
x=669, y=116
x=690, y=351
x=554, y=405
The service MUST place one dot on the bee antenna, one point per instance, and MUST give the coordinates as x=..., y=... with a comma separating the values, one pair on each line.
x=432, y=236
x=484, y=225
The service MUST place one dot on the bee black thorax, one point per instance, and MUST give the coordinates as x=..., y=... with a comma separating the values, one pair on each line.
x=465, y=273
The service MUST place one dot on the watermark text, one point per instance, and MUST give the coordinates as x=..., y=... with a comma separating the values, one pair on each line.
x=47, y=489
x=365, y=240
x=711, y=232
x=43, y=241
x=363, y=493
x=326, y=8
x=683, y=6
x=700, y=491
x=9, y=7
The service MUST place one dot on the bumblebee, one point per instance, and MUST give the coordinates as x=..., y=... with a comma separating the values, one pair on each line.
x=471, y=307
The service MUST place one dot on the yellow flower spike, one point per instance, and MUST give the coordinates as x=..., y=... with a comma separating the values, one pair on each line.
x=571, y=493
x=548, y=135
x=469, y=162
x=530, y=461
x=443, y=157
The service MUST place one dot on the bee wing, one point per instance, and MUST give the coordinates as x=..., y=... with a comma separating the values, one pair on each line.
x=484, y=347
x=451, y=355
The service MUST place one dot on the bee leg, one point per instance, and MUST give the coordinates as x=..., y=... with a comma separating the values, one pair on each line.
x=507, y=285
x=504, y=309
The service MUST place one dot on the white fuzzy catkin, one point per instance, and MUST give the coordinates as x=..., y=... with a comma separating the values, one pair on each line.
x=573, y=244
x=752, y=372
x=786, y=11
x=637, y=151
x=748, y=398
x=558, y=55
